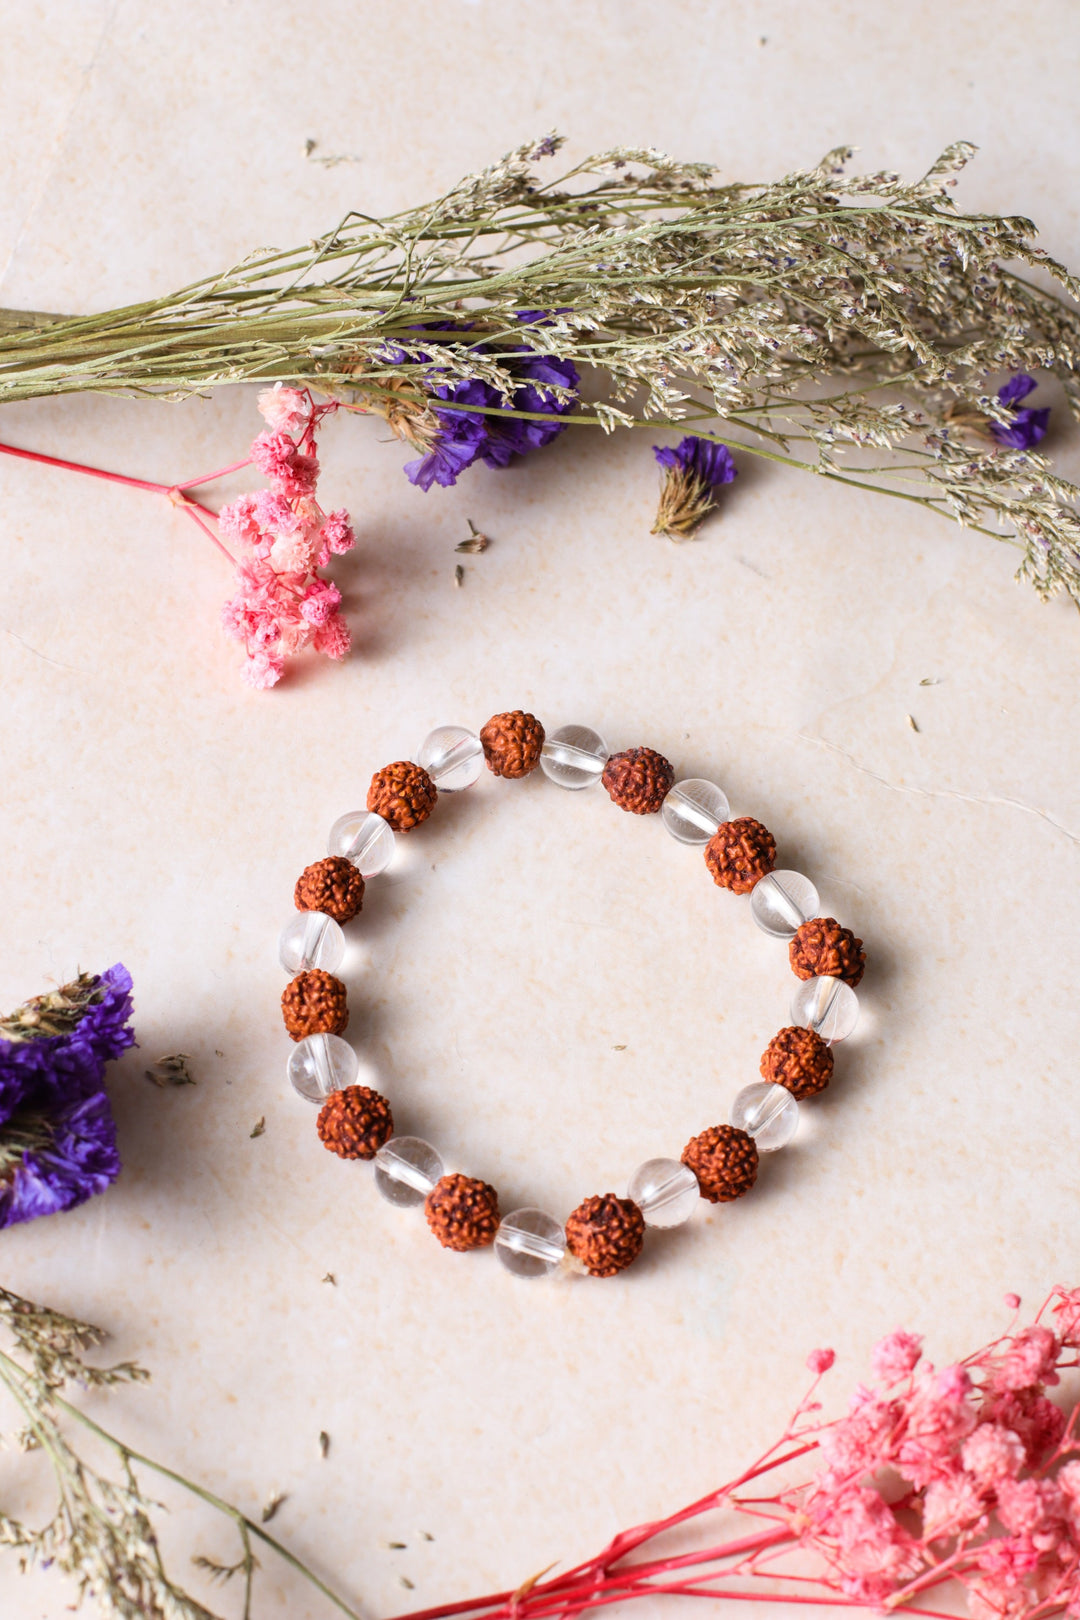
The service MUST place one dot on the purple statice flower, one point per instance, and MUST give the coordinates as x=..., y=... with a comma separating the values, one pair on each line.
x=485, y=433
x=706, y=459
x=1028, y=425
x=694, y=470
x=57, y=1138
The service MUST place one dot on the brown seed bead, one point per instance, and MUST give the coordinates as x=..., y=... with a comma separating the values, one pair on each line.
x=638, y=780
x=355, y=1122
x=605, y=1234
x=798, y=1059
x=821, y=946
x=725, y=1161
x=512, y=743
x=314, y=1004
x=333, y=886
x=462, y=1212
x=740, y=853
x=403, y=794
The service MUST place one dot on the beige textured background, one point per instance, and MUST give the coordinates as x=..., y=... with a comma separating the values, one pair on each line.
x=156, y=812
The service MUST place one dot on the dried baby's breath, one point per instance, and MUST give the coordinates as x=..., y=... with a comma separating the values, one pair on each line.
x=853, y=326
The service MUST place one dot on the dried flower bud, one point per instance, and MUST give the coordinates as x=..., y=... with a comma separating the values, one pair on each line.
x=314, y=1003
x=605, y=1233
x=403, y=794
x=821, y=946
x=512, y=743
x=740, y=854
x=638, y=780
x=463, y=1212
x=725, y=1161
x=355, y=1122
x=333, y=886
x=798, y=1059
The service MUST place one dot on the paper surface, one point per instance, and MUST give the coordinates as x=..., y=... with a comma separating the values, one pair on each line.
x=549, y=990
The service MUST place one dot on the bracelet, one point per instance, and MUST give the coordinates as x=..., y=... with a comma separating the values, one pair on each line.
x=605, y=1233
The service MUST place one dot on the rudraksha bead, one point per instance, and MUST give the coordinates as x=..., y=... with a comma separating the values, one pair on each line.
x=799, y=1060
x=605, y=1233
x=512, y=743
x=638, y=780
x=403, y=794
x=355, y=1122
x=333, y=886
x=821, y=947
x=725, y=1161
x=740, y=853
x=314, y=1003
x=462, y=1212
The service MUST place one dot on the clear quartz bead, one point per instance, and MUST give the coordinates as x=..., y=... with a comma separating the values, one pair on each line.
x=781, y=902
x=826, y=1005
x=363, y=838
x=311, y=939
x=665, y=1191
x=452, y=757
x=693, y=810
x=769, y=1112
x=530, y=1243
x=320, y=1064
x=406, y=1169
x=574, y=757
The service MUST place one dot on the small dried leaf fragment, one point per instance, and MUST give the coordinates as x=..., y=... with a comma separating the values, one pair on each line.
x=930, y=680
x=331, y=1279
x=912, y=722
x=459, y=576
x=259, y=1126
x=324, y=1443
x=272, y=1506
x=171, y=1071
x=406, y=1583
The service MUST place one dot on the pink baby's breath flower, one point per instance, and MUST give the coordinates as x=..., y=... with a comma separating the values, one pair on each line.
x=1012, y=1302
x=284, y=410
x=863, y=1440
x=263, y=669
x=939, y=1416
x=338, y=533
x=1029, y=1361
x=1033, y=1508
x=295, y=553
x=819, y=1361
x=292, y=473
x=1039, y=1423
x=333, y=638
x=239, y=520
x=1067, y=1314
x=952, y=1504
x=895, y=1356
x=319, y=601
x=992, y=1453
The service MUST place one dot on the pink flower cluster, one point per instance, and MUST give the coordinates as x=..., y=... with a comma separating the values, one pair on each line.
x=282, y=603
x=969, y=1474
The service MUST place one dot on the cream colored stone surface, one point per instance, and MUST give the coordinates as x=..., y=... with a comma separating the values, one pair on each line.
x=549, y=990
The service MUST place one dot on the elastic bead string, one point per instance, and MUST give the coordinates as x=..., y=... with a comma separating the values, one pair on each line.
x=605, y=1233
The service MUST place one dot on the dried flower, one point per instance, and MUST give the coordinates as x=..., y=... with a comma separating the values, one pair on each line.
x=282, y=603
x=57, y=1137
x=1026, y=426
x=696, y=469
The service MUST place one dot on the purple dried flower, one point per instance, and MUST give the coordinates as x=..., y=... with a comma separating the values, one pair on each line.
x=708, y=460
x=57, y=1138
x=695, y=470
x=1028, y=424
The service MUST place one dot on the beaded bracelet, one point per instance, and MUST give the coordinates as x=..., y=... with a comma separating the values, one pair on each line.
x=605, y=1233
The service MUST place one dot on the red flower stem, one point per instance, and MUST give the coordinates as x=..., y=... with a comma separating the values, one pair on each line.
x=222, y=472
x=173, y=492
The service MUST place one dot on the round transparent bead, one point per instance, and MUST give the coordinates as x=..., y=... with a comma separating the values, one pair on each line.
x=406, y=1169
x=693, y=810
x=770, y=1114
x=665, y=1191
x=781, y=902
x=311, y=940
x=530, y=1243
x=363, y=838
x=452, y=757
x=574, y=757
x=320, y=1064
x=827, y=1006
